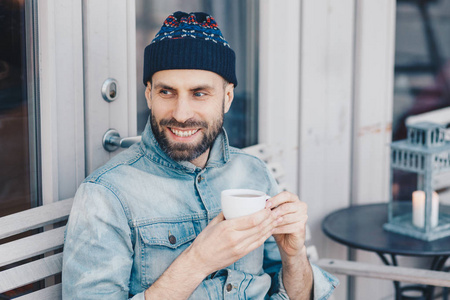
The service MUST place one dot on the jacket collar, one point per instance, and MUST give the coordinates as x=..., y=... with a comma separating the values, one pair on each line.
x=219, y=153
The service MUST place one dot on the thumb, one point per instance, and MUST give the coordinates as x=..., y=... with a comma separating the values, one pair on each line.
x=219, y=218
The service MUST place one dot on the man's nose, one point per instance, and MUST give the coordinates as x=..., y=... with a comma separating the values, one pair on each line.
x=182, y=110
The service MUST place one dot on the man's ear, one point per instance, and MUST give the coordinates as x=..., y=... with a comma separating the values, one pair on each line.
x=148, y=96
x=229, y=96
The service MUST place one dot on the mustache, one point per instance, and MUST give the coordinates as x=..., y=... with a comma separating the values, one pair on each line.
x=187, y=124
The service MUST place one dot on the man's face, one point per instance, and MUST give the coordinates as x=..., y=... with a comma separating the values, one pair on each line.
x=187, y=108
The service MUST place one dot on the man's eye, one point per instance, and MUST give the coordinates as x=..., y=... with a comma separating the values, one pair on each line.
x=199, y=94
x=165, y=92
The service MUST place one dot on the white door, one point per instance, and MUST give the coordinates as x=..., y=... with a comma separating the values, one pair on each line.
x=80, y=45
x=109, y=75
x=54, y=56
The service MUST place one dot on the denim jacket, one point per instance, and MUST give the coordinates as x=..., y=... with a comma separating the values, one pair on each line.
x=132, y=217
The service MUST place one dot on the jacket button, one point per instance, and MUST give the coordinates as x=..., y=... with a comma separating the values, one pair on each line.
x=229, y=287
x=172, y=239
x=199, y=179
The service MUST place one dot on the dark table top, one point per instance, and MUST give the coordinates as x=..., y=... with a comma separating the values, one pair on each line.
x=361, y=227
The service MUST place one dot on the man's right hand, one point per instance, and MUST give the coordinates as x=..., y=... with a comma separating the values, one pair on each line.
x=219, y=245
x=223, y=242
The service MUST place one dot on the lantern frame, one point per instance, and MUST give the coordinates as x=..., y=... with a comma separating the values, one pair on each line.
x=426, y=153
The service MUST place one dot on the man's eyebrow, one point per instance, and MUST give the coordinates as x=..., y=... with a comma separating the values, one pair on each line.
x=202, y=87
x=163, y=86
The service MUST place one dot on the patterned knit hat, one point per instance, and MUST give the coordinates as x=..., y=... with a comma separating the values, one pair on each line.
x=190, y=41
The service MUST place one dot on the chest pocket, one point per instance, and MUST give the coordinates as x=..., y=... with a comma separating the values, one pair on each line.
x=161, y=244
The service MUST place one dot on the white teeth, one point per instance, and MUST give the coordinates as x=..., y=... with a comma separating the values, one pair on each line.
x=185, y=133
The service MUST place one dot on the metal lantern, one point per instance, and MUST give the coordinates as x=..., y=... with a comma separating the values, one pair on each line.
x=426, y=153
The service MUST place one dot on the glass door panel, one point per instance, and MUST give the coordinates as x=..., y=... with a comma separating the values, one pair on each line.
x=18, y=129
x=19, y=187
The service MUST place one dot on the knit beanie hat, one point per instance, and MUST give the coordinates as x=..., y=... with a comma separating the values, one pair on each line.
x=190, y=41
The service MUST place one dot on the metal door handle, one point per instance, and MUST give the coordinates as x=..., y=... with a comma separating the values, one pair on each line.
x=112, y=140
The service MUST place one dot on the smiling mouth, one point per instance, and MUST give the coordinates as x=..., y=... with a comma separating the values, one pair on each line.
x=184, y=133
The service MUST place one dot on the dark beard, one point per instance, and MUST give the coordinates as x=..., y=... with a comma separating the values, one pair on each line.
x=182, y=151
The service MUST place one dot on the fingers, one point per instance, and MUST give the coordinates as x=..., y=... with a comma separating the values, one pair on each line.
x=288, y=208
x=253, y=220
x=291, y=218
x=285, y=203
x=284, y=197
x=292, y=212
x=253, y=229
x=256, y=236
x=264, y=227
x=257, y=242
x=291, y=225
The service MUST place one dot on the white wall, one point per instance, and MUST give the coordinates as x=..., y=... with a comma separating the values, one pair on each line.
x=326, y=70
x=326, y=116
x=306, y=73
x=279, y=90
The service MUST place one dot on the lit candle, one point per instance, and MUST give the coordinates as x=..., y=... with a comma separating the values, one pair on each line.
x=418, y=205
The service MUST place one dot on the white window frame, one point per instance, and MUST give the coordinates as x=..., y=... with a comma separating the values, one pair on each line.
x=61, y=97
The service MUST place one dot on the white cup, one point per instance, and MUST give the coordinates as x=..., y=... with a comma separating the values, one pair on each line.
x=242, y=202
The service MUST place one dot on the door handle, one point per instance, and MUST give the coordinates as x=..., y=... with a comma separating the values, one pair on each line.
x=112, y=140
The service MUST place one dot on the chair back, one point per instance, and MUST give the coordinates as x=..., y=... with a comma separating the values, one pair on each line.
x=36, y=254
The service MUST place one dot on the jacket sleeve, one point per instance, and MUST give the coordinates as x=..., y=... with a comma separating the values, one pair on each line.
x=98, y=250
x=323, y=282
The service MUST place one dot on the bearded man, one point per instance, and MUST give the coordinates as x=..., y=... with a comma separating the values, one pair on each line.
x=148, y=224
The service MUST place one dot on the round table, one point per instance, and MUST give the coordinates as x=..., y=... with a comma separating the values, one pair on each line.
x=361, y=227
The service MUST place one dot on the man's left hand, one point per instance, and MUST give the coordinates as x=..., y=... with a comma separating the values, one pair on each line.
x=290, y=231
